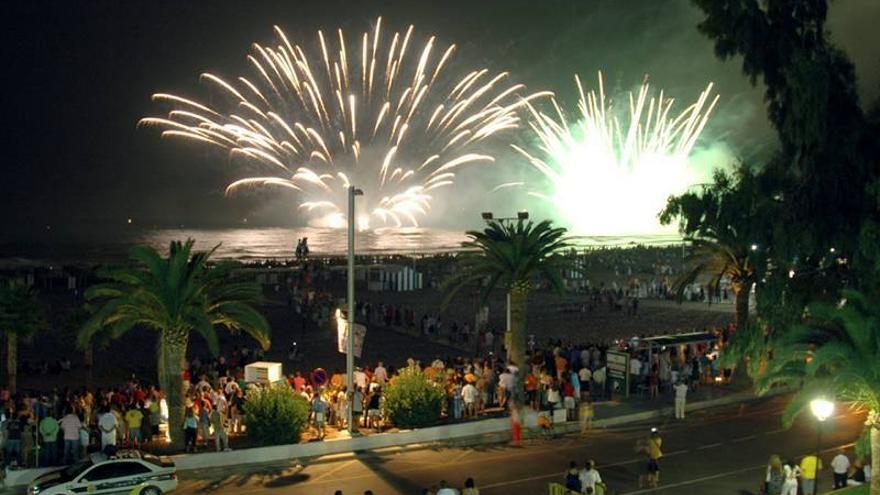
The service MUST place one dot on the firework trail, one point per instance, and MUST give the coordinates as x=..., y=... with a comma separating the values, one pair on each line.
x=375, y=111
x=607, y=177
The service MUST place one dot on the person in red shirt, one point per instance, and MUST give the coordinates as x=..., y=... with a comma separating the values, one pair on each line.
x=139, y=395
x=531, y=386
x=568, y=399
x=299, y=383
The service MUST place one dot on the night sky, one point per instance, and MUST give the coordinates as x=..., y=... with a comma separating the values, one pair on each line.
x=79, y=75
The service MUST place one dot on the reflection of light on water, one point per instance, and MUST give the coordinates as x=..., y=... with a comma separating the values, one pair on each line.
x=274, y=243
x=251, y=244
x=336, y=220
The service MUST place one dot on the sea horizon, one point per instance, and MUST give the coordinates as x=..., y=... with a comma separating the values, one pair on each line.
x=252, y=244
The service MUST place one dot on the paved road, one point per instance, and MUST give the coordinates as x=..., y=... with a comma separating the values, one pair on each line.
x=717, y=452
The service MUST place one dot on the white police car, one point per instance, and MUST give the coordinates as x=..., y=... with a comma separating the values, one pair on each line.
x=129, y=471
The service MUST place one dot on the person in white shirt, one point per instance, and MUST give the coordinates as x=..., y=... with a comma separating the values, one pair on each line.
x=360, y=379
x=584, y=376
x=681, y=391
x=791, y=471
x=469, y=396
x=840, y=465
x=506, y=382
x=599, y=378
x=635, y=366
x=446, y=490
x=231, y=387
x=380, y=374
x=589, y=476
x=107, y=424
x=70, y=425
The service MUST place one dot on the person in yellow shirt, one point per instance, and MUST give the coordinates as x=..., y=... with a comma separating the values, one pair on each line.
x=133, y=419
x=655, y=442
x=810, y=465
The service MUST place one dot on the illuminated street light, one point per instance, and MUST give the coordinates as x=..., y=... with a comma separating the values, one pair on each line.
x=754, y=247
x=822, y=409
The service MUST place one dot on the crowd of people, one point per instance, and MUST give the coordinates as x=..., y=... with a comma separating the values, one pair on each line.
x=63, y=426
x=791, y=477
x=556, y=376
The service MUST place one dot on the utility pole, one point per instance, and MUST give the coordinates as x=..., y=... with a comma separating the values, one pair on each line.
x=349, y=352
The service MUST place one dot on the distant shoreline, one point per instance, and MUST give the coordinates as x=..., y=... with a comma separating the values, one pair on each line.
x=268, y=245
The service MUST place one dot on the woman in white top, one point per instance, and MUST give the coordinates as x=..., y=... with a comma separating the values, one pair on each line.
x=791, y=472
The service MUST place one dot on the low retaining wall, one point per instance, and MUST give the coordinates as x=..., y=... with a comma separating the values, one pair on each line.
x=429, y=435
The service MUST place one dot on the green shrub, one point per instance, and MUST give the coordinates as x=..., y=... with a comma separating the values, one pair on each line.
x=275, y=415
x=412, y=400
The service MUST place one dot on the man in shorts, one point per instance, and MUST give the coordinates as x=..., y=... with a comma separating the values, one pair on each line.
x=319, y=414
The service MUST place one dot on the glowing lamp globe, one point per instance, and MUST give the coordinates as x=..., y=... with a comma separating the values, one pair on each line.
x=822, y=409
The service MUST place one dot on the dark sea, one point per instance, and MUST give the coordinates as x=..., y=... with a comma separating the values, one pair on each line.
x=257, y=244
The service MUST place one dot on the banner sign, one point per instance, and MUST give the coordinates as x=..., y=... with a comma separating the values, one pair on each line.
x=360, y=332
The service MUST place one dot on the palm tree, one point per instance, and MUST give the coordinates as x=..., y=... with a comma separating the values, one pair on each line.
x=835, y=354
x=21, y=315
x=718, y=259
x=723, y=221
x=511, y=255
x=174, y=296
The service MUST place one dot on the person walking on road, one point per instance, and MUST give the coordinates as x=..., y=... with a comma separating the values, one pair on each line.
x=791, y=471
x=775, y=476
x=470, y=487
x=572, y=478
x=681, y=391
x=585, y=415
x=589, y=476
x=655, y=442
x=445, y=489
x=810, y=466
x=840, y=465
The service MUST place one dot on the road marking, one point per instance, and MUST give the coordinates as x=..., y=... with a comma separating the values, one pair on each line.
x=459, y=456
x=557, y=475
x=675, y=452
x=695, y=480
x=709, y=446
x=744, y=439
x=332, y=471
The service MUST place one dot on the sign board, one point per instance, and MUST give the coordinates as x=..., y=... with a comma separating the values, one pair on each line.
x=262, y=372
x=618, y=369
x=360, y=332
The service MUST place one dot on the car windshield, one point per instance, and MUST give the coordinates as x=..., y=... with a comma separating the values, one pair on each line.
x=76, y=468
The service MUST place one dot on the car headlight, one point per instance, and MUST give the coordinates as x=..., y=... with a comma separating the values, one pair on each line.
x=33, y=490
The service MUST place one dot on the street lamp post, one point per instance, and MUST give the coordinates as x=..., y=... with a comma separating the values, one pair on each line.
x=349, y=352
x=822, y=409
